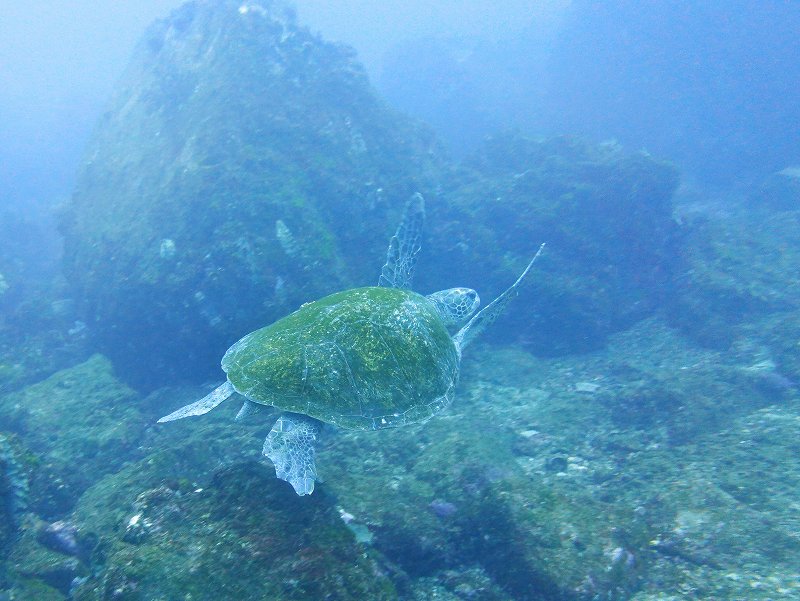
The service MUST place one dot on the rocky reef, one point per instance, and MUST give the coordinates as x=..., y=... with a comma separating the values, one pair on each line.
x=241, y=535
x=739, y=261
x=649, y=467
x=79, y=423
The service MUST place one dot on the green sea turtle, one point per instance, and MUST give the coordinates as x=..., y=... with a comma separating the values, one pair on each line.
x=361, y=359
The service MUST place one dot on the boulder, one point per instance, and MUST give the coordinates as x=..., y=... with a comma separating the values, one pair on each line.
x=605, y=214
x=243, y=167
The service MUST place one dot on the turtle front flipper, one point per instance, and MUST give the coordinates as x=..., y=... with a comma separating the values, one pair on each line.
x=401, y=258
x=290, y=447
x=204, y=405
x=486, y=317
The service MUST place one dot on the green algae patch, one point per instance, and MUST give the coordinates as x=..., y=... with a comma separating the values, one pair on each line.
x=80, y=423
x=243, y=536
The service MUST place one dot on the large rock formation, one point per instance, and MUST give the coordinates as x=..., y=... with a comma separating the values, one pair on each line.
x=241, y=166
x=246, y=167
x=606, y=215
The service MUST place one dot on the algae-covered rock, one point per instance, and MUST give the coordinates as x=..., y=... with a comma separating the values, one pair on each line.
x=38, y=333
x=740, y=265
x=605, y=214
x=728, y=525
x=80, y=423
x=35, y=565
x=585, y=478
x=648, y=467
x=13, y=490
x=243, y=167
x=243, y=535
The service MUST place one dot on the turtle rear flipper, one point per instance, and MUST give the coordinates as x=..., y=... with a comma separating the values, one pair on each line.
x=401, y=258
x=204, y=405
x=290, y=447
x=248, y=410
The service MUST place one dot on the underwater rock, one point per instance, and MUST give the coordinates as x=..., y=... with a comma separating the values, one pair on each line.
x=64, y=537
x=243, y=535
x=486, y=513
x=33, y=565
x=780, y=191
x=462, y=584
x=144, y=522
x=262, y=153
x=739, y=266
x=225, y=123
x=13, y=492
x=81, y=417
x=606, y=215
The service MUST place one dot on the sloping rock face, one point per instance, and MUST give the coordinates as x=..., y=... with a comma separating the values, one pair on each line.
x=242, y=165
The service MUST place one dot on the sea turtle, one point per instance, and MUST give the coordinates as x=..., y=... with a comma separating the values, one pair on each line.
x=362, y=359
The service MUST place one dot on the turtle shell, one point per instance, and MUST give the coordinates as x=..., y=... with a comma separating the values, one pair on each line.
x=361, y=359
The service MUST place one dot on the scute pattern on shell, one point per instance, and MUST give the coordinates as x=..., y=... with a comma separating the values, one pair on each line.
x=361, y=359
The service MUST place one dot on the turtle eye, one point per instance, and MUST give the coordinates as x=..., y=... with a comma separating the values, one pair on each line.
x=466, y=301
x=474, y=301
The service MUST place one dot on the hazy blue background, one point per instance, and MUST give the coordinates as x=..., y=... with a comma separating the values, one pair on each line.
x=711, y=85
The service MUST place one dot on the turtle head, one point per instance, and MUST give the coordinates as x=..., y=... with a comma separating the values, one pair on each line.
x=455, y=305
